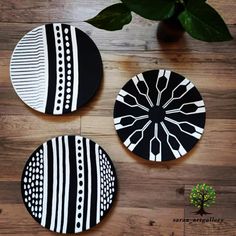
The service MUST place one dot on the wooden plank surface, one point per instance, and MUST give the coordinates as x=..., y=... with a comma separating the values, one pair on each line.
x=150, y=195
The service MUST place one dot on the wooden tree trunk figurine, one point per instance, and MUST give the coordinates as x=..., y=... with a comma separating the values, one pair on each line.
x=202, y=196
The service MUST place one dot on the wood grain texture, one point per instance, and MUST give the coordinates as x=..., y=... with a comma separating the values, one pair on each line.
x=150, y=195
x=224, y=209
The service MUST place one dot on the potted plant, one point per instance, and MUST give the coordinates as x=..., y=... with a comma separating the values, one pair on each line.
x=196, y=17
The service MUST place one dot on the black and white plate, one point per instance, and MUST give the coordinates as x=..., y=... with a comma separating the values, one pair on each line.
x=68, y=184
x=55, y=68
x=159, y=115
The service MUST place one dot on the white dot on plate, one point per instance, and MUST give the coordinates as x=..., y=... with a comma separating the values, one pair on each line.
x=68, y=90
x=68, y=84
x=66, y=106
x=66, y=30
x=69, y=77
x=69, y=72
x=67, y=38
x=67, y=51
x=67, y=44
x=69, y=65
x=68, y=96
x=68, y=58
x=67, y=101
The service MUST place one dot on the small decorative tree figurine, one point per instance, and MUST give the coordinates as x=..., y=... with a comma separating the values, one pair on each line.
x=202, y=196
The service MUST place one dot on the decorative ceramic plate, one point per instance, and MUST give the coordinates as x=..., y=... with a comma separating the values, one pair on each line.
x=159, y=115
x=68, y=184
x=55, y=68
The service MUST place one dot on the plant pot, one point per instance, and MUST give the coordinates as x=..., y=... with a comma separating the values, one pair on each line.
x=170, y=30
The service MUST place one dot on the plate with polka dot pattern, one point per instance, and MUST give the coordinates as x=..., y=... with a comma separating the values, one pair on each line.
x=69, y=184
x=56, y=68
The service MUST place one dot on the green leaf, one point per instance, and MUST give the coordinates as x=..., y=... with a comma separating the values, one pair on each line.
x=202, y=22
x=152, y=9
x=112, y=18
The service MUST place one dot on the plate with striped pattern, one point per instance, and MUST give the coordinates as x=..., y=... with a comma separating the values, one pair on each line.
x=56, y=68
x=159, y=115
x=69, y=184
